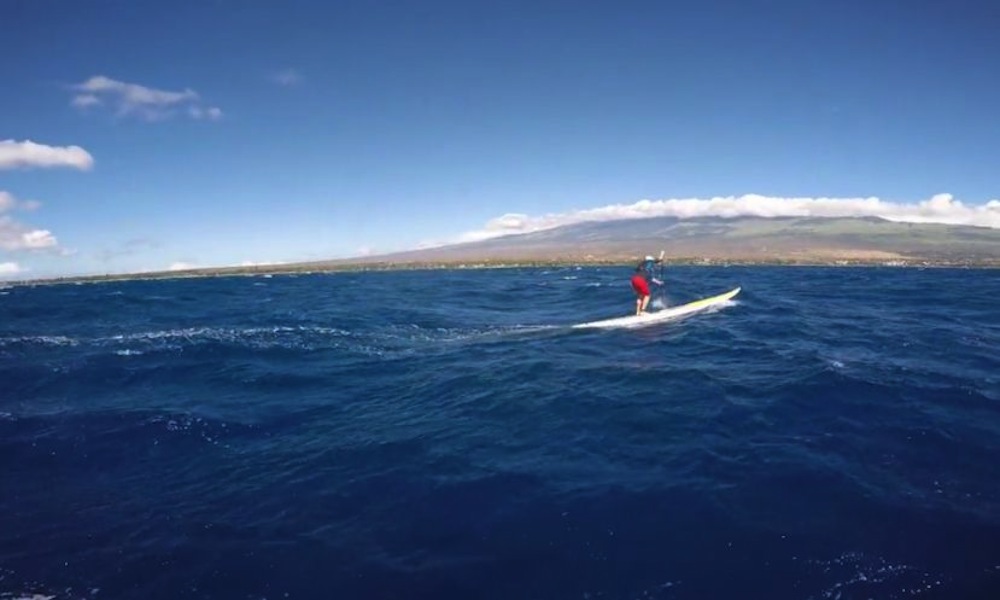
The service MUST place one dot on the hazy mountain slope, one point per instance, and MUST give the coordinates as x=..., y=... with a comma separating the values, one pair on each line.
x=743, y=238
x=803, y=240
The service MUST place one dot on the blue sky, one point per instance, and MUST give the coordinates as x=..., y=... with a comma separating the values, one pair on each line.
x=141, y=135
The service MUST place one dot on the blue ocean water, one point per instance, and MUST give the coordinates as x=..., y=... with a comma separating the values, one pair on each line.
x=832, y=433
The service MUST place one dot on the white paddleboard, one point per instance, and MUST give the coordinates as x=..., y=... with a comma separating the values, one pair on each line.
x=661, y=315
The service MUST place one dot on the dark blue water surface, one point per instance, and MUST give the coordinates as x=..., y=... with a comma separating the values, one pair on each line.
x=833, y=433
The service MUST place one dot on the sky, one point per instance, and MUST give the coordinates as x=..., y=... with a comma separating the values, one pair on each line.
x=153, y=135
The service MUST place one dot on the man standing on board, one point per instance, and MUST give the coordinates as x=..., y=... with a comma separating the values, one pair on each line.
x=640, y=282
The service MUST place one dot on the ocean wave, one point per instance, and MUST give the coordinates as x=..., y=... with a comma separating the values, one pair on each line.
x=856, y=575
x=38, y=340
x=830, y=434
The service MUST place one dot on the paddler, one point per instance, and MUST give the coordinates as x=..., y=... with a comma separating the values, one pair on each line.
x=640, y=282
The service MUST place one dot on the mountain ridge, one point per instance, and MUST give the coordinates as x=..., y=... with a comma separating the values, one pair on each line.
x=804, y=240
x=729, y=238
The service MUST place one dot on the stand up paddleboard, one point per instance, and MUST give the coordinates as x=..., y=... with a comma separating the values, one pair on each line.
x=661, y=315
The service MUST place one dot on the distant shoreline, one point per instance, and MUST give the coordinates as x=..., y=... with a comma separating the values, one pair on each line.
x=368, y=266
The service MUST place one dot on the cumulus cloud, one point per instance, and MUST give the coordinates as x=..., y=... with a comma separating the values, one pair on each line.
x=15, y=237
x=941, y=208
x=134, y=100
x=38, y=238
x=28, y=154
x=286, y=77
x=10, y=268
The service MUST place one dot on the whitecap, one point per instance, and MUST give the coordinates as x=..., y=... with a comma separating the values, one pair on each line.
x=46, y=340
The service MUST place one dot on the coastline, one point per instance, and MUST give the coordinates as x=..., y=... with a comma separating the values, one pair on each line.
x=353, y=266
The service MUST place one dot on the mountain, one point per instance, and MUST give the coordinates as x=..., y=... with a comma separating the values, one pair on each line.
x=739, y=239
x=778, y=240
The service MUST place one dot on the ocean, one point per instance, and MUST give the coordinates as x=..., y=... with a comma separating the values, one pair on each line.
x=829, y=433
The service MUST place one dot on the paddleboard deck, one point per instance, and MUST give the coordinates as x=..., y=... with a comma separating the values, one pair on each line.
x=660, y=316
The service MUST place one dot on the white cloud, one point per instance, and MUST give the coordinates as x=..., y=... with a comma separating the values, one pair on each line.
x=10, y=268
x=28, y=154
x=286, y=77
x=250, y=263
x=38, y=238
x=132, y=99
x=15, y=236
x=181, y=266
x=211, y=113
x=85, y=100
x=941, y=208
x=7, y=201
